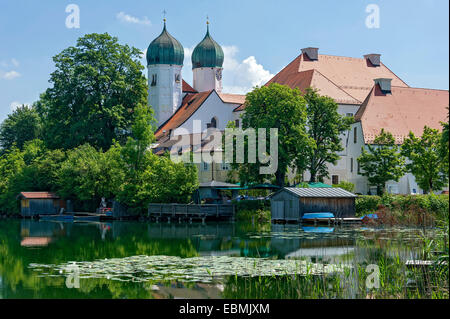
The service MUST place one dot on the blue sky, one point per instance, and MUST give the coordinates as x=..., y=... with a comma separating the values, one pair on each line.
x=259, y=37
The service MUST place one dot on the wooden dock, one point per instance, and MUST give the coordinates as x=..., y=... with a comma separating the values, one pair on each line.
x=190, y=212
x=325, y=221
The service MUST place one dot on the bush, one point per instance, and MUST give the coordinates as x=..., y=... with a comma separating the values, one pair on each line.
x=348, y=186
x=405, y=207
x=259, y=215
x=252, y=205
x=366, y=204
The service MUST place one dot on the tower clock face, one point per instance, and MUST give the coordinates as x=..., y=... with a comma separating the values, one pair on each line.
x=219, y=74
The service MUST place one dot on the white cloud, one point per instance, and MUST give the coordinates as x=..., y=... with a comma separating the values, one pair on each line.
x=15, y=62
x=10, y=75
x=239, y=77
x=122, y=16
x=14, y=105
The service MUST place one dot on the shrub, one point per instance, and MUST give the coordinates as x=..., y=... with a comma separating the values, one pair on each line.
x=366, y=204
x=348, y=186
x=252, y=205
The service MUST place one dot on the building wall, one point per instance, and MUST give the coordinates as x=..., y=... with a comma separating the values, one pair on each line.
x=207, y=79
x=213, y=107
x=166, y=96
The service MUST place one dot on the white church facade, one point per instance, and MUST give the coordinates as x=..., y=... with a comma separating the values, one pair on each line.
x=363, y=87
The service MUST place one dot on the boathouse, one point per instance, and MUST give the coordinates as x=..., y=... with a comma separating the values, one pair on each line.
x=39, y=203
x=291, y=203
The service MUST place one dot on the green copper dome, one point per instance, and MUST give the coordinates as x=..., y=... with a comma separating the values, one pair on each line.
x=165, y=49
x=207, y=53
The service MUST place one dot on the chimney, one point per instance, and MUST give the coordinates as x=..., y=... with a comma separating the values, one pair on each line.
x=373, y=58
x=311, y=53
x=385, y=85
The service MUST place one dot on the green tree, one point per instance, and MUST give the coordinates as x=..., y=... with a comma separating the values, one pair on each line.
x=425, y=162
x=22, y=125
x=325, y=126
x=96, y=86
x=88, y=175
x=148, y=177
x=35, y=168
x=444, y=146
x=277, y=106
x=382, y=161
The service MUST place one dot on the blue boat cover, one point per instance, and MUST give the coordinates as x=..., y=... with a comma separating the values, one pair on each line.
x=373, y=216
x=318, y=215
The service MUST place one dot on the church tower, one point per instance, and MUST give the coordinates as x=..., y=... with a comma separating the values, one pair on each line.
x=165, y=57
x=207, y=61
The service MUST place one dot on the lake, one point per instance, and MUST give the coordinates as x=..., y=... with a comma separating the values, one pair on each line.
x=43, y=259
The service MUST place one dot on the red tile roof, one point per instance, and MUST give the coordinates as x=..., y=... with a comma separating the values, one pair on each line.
x=187, y=88
x=38, y=195
x=232, y=98
x=347, y=80
x=190, y=104
x=405, y=109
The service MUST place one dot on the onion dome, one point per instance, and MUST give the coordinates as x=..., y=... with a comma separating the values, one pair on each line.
x=207, y=53
x=165, y=49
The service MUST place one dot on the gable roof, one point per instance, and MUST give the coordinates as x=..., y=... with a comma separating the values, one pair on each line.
x=318, y=192
x=191, y=102
x=187, y=88
x=347, y=80
x=405, y=109
x=232, y=98
x=38, y=195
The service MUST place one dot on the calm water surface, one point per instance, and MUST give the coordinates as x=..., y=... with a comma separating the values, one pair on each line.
x=41, y=259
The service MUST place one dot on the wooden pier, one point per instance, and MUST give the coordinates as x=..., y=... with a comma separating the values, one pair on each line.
x=323, y=221
x=190, y=212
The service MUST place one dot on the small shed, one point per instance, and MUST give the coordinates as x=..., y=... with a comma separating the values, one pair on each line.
x=291, y=203
x=39, y=203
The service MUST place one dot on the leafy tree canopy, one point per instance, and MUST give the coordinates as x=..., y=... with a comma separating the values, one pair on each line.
x=382, y=161
x=276, y=106
x=96, y=86
x=22, y=125
x=325, y=126
x=425, y=162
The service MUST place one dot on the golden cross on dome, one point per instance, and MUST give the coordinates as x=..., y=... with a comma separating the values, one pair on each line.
x=164, y=14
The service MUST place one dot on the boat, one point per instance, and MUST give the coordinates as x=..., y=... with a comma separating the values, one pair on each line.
x=318, y=215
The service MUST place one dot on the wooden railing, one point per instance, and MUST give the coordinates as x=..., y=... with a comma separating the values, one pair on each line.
x=191, y=211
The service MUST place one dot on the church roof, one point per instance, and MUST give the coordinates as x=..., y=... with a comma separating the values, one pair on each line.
x=405, y=109
x=207, y=53
x=187, y=88
x=191, y=102
x=232, y=98
x=165, y=49
x=345, y=79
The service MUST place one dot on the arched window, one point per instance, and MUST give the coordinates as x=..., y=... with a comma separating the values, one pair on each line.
x=214, y=122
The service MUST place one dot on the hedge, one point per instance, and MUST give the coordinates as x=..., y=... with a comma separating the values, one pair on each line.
x=437, y=205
